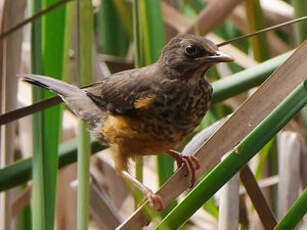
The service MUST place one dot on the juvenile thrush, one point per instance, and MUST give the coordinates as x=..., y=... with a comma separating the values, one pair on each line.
x=148, y=110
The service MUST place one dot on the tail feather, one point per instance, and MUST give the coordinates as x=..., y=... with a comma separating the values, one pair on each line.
x=59, y=87
x=74, y=97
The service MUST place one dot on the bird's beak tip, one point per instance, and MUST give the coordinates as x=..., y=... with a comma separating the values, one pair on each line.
x=223, y=57
x=218, y=57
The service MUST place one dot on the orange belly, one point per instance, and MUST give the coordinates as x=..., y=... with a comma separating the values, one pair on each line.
x=130, y=136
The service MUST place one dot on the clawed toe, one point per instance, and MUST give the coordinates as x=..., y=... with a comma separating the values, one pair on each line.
x=191, y=163
x=155, y=201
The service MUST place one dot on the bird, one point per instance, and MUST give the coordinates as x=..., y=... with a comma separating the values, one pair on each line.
x=148, y=110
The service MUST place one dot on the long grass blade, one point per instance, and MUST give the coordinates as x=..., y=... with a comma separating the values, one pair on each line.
x=138, y=62
x=153, y=30
x=113, y=38
x=53, y=60
x=256, y=21
x=85, y=42
x=295, y=214
x=39, y=216
x=20, y=172
x=38, y=204
x=300, y=9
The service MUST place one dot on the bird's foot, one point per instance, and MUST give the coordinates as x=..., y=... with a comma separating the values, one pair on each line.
x=155, y=200
x=191, y=163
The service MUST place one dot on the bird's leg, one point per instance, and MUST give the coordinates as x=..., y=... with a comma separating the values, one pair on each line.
x=121, y=167
x=155, y=200
x=191, y=163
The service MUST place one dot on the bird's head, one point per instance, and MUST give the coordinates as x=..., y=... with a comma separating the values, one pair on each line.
x=187, y=53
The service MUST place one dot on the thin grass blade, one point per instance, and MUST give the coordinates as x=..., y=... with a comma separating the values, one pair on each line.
x=113, y=37
x=300, y=10
x=255, y=21
x=85, y=42
x=38, y=203
x=295, y=214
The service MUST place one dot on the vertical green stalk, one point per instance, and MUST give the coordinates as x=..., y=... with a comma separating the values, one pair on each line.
x=124, y=10
x=70, y=9
x=85, y=43
x=83, y=176
x=24, y=219
x=262, y=158
x=153, y=29
x=300, y=10
x=39, y=217
x=53, y=61
x=113, y=35
x=256, y=21
x=47, y=58
x=137, y=34
x=138, y=62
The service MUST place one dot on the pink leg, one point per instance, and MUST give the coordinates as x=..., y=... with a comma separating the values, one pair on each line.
x=190, y=162
x=155, y=200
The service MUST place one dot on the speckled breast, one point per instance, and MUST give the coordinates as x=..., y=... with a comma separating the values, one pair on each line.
x=178, y=110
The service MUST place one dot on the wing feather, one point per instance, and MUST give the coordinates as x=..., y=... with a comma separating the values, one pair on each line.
x=124, y=93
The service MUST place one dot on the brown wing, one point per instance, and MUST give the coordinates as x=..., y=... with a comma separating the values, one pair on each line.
x=122, y=93
x=144, y=102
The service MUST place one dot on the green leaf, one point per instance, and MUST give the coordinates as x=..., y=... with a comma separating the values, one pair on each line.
x=153, y=30
x=295, y=213
x=113, y=36
x=256, y=21
x=85, y=43
x=53, y=56
x=262, y=158
x=39, y=218
x=47, y=59
x=300, y=9
x=21, y=171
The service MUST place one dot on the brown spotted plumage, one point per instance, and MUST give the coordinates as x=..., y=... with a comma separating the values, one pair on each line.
x=148, y=110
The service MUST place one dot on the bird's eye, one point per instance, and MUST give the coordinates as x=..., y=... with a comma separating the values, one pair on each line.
x=192, y=51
